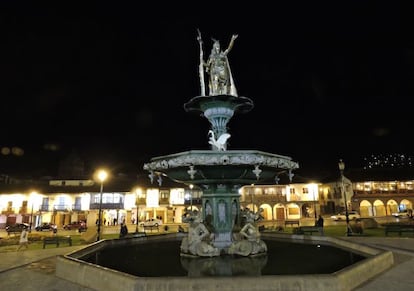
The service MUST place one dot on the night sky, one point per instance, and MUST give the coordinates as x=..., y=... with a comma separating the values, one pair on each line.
x=109, y=81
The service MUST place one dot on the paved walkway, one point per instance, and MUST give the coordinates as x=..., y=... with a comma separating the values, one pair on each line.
x=400, y=276
x=35, y=269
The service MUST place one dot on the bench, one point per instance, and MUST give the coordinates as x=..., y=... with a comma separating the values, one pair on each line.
x=400, y=229
x=56, y=240
x=307, y=230
x=151, y=227
x=135, y=234
x=292, y=222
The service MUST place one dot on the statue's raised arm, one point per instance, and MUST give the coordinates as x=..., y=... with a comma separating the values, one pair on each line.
x=233, y=38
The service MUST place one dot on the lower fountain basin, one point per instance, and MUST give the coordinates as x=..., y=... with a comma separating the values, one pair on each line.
x=265, y=272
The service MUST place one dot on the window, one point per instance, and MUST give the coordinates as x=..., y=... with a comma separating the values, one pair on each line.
x=164, y=194
x=78, y=202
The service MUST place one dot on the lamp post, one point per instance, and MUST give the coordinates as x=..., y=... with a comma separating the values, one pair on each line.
x=252, y=192
x=341, y=166
x=314, y=204
x=32, y=199
x=191, y=197
x=102, y=175
x=139, y=193
x=31, y=219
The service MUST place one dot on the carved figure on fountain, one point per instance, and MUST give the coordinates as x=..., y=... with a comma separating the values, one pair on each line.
x=199, y=239
x=247, y=242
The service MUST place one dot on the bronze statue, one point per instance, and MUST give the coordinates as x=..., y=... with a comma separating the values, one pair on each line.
x=218, y=68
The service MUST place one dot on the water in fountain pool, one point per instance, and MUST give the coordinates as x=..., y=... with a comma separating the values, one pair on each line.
x=162, y=259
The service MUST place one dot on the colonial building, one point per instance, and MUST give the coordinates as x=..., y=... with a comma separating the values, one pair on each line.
x=291, y=201
x=62, y=201
x=380, y=192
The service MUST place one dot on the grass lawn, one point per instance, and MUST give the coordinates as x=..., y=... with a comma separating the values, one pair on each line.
x=36, y=239
x=11, y=243
x=340, y=231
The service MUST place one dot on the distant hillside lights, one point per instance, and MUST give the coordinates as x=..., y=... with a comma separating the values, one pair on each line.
x=376, y=161
x=16, y=151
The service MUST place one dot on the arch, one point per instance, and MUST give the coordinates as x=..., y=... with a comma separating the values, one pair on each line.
x=178, y=213
x=267, y=212
x=280, y=211
x=405, y=204
x=379, y=208
x=392, y=206
x=365, y=208
x=307, y=210
x=194, y=208
x=293, y=211
x=252, y=207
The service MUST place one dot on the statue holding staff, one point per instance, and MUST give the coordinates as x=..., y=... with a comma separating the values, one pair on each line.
x=217, y=67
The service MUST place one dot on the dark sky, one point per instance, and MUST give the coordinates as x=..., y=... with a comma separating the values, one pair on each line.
x=109, y=80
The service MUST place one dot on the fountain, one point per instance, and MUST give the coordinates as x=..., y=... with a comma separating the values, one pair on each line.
x=223, y=241
x=221, y=227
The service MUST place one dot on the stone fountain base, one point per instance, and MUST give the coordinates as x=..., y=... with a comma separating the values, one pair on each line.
x=70, y=267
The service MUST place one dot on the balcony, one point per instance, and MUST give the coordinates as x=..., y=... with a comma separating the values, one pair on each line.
x=119, y=205
x=263, y=198
x=196, y=201
x=76, y=207
x=9, y=210
x=383, y=194
x=44, y=207
x=61, y=207
x=163, y=201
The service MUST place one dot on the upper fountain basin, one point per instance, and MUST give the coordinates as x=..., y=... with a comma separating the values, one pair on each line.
x=212, y=167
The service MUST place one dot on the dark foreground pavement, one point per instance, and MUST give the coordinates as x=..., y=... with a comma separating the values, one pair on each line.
x=35, y=269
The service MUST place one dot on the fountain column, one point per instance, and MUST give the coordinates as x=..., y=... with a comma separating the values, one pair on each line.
x=221, y=207
x=221, y=204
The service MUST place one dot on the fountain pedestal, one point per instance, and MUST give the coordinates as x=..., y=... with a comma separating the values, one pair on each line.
x=221, y=206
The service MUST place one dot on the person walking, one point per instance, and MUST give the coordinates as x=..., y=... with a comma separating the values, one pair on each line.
x=319, y=224
x=123, y=231
x=24, y=239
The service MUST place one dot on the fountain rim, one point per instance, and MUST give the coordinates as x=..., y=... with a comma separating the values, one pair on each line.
x=71, y=268
x=241, y=104
x=229, y=153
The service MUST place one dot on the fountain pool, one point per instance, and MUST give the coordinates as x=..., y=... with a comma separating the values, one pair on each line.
x=296, y=262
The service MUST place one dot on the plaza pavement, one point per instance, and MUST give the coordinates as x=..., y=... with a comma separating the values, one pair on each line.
x=35, y=269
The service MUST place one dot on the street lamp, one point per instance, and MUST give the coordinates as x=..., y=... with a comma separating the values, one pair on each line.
x=102, y=175
x=314, y=204
x=33, y=199
x=191, y=197
x=31, y=219
x=139, y=195
x=341, y=166
x=252, y=192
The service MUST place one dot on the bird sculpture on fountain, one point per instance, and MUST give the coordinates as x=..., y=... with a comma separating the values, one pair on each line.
x=221, y=142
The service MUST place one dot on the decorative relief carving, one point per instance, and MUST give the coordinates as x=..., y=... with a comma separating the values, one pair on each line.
x=205, y=159
x=257, y=171
x=192, y=172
